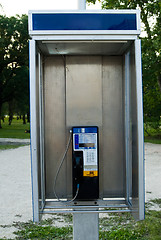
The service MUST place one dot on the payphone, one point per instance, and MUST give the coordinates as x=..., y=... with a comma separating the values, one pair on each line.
x=85, y=162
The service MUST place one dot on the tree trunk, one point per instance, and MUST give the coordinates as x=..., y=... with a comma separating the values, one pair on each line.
x=10, y=118
x=0, y=115
x=10, y=105
x=28, y=117
x=24, y=119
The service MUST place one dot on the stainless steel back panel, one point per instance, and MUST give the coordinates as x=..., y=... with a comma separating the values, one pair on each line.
x=84, y=91
x=83, y=95
x=113, y=128
x=54, y=91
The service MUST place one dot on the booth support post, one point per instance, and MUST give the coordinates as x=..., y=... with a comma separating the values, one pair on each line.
x=140, y=132
x=81, y=4
x=85, y=226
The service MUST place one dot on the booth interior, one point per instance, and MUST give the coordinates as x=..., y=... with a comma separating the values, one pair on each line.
x=87, y=83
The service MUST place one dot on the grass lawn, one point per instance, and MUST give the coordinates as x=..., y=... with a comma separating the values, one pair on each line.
x=11, y=146
x=152, y=140
x=15, y=130
x=152, y=135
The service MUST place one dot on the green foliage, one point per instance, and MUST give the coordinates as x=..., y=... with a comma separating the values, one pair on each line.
x=22, y=89
x=14, y=61
x=151, y=52
x=151, y=91
x=91, y=1
x=16, y=130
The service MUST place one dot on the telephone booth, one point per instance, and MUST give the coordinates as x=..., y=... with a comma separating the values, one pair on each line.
x=85, y=73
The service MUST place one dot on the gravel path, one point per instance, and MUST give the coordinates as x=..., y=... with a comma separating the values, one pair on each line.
x=152, y=171
x=15, y=188
x=15, y=184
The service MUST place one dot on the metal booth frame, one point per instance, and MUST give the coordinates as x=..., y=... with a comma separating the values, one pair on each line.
x=42, y=205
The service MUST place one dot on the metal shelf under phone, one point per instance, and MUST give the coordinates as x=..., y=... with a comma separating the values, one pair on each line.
x=120, y=205
x=86, y=211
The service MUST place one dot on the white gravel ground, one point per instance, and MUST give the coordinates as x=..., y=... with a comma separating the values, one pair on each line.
x=15, y=188
x=152, y=171
x=15, y=184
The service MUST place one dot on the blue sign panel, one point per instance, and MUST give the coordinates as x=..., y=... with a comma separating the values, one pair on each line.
x=85, y=129
x=83, y=21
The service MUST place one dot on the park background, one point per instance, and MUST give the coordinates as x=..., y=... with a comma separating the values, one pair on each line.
x=14, y=94
x=14, y=67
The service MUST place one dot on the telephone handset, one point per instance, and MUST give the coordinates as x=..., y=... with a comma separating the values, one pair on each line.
x=78, y=166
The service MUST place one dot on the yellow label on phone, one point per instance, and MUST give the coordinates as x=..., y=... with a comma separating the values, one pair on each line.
x=90, y=173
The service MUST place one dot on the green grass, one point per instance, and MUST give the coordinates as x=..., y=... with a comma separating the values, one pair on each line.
x=152, y=140
x=42, y=230
x=10, y=146
x=15, y=130
x=152, y=135
x=119, y=226
x=156, y=201
x=37, y=231
x=124, y=227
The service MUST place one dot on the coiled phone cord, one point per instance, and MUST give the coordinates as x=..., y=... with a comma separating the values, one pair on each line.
x=58, y=170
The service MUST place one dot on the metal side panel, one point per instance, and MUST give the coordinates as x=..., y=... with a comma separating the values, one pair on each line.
x=38, y=125
x=128, y=128
x=134, y=130
x=55, y=139
x=41, y=132
x=137, y=133
x=140, y=131
x=34, y=130
x=113, y=128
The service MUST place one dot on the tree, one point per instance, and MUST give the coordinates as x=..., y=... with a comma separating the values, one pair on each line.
x=151, y=51
x=13, y=55
x=22, y=90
